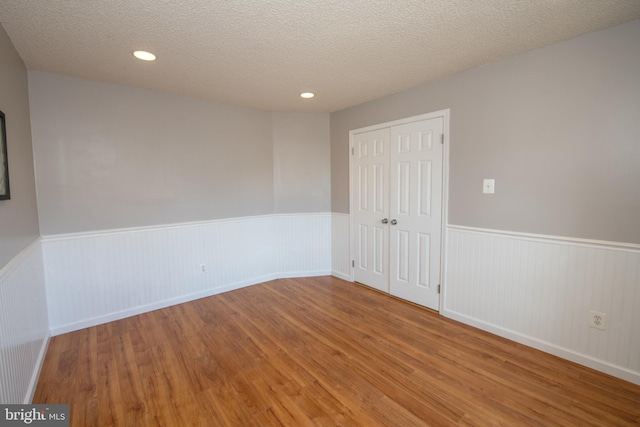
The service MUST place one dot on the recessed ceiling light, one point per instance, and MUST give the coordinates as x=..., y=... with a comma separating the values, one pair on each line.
x=307, y=95
x=144, y=55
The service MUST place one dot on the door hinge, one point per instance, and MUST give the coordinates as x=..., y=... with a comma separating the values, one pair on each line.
x=438, y=288
x=442, y=138
x=353, y=151
x=353, y=263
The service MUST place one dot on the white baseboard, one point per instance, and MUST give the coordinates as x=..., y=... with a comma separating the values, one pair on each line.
x=547, y=347
x=340, y=254
x=111, y=317
x=33, y=384
x=341, y=275
x=296, y=274
x=87, y=323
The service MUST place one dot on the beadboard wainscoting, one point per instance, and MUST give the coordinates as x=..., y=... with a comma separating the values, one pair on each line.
x=540, y=291
x=340, y=257
x=95, y=278
x=24, y=328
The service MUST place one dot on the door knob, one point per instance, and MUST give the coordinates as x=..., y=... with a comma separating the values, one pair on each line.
x=394, y=222
x=385, y=220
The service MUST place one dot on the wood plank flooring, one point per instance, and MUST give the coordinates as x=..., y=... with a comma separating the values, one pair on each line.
x=318, y=352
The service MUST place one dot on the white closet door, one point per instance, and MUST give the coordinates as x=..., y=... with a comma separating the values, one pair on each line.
x=415, y=169
x=371, y=168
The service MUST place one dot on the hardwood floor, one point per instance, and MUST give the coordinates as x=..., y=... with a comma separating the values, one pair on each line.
x=322, y=352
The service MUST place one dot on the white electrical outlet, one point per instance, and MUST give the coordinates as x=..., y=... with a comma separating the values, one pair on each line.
x=203, y=268
x=598, y=320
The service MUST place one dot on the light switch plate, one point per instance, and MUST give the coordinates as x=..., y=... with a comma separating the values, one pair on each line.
x=488, y=186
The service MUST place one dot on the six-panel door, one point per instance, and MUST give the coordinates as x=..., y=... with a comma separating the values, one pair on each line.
x=415, y=170
x=371, y=166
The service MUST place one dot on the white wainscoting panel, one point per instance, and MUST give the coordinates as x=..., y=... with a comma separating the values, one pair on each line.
x=340, y=255
x=24, y=327
x=540, y=291
x=304, y=245
x=99, y=277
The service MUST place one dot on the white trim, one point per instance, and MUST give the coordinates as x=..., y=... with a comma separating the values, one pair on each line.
x=445, y=206
x=18, y=259
x=341, y=275
x=33, y=384
x=420, y=117
x=340, y=253
x=297, y=274
x=633, y=247
x=99, y=320
x=545, y=346
x=352, y=250
x=98, y=233
x=445, y=114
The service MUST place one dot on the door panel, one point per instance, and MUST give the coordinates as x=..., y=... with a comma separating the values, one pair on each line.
x=401, y=251
x=371, y=160
x=415, y=169
x=424, y=187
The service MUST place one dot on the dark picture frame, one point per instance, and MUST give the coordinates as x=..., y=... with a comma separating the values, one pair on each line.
x=5, y=193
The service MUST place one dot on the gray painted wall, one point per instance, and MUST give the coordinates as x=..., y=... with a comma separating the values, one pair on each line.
x=301, y=163
x=110, y=156
x=19, y=215
x=558, y=128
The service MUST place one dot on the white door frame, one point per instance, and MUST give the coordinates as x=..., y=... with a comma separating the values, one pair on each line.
x=445, y=188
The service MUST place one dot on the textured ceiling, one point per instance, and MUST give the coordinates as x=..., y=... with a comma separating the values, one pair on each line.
x=263, y=53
